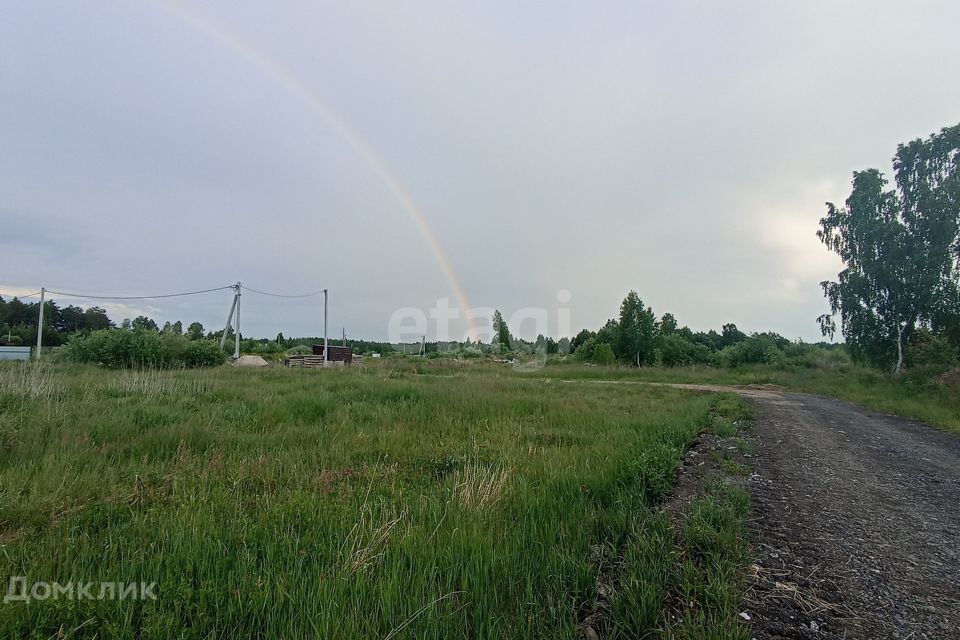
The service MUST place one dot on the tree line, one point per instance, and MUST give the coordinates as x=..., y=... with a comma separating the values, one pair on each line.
x=18, y=321
x=638, y=337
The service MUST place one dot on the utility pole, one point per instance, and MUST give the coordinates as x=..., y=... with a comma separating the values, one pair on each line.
x=43, y=295
x=344, y=336
x=236, y=331
x=326, y=346
x=233, y=307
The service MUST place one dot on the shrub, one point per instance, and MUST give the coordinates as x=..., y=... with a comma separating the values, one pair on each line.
x=928, y=350
x=603, y=354
x=677, y=351
x=300, y=350
x=202, y=353
x=760, y=348
x=125, y=348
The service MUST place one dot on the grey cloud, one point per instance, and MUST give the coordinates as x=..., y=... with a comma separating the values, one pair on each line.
x=684, y=150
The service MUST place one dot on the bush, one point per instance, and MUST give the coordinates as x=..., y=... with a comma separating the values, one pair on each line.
x=603, y=354
x=928, y=350
x=677, y=351
x=202, y=353
x=125, y=348
x=761, y=348
x=586, y=352
x=300, y=350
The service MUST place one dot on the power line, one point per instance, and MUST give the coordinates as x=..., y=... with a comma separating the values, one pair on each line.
x=282, y=295
x=164, y=295
x=23, y=295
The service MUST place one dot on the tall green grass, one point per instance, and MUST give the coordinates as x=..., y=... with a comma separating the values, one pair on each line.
x=340, y=503
x=919, y=395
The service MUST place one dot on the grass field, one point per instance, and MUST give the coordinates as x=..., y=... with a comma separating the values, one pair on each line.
x=915, y=395
x=912, y=396
x=359, y=504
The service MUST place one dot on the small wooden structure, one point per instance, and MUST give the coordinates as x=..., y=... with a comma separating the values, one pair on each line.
x=337, y=354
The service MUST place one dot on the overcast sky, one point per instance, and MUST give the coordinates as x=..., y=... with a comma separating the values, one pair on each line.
x=684, y=150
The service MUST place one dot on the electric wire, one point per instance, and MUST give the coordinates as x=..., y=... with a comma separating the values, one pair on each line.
x=19, y=295
x=282, y=295
x=164, y=295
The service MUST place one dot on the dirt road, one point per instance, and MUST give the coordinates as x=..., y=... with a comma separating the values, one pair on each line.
x=857, y=522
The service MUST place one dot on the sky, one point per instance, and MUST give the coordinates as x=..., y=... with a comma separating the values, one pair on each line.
x=495, y=154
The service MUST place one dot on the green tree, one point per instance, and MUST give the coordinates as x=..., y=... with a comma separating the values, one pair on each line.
x=668, y=324
x=900, y=248
x=580, y=338
x=501, y=333
x=177, y=328
x=603, y=354
x=143, y=323
x=72, y=318
x=96, y=319
x=195, y=331
x=636, y=331
x=731, y=335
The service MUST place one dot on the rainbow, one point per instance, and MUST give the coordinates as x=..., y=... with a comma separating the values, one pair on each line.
x=289, y=82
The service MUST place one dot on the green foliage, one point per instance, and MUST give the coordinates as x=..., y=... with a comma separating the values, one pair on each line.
x=580, y=338
x=731, y=335
x=18, y=320
x=668, y=324
x=761, y=348
x=587, y=352
x=123, y=348
x=635, y=331
x=584, y=352
x=676, y=351
x=143, y=323
x=927, y=349
x=199, y=353
x=603, y=354
x=502, y=340
x=195, y=331
x=684, y=580
x=299, y=350
x=900, y=249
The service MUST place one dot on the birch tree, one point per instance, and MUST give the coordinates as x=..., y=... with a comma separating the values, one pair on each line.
x=900, y=246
